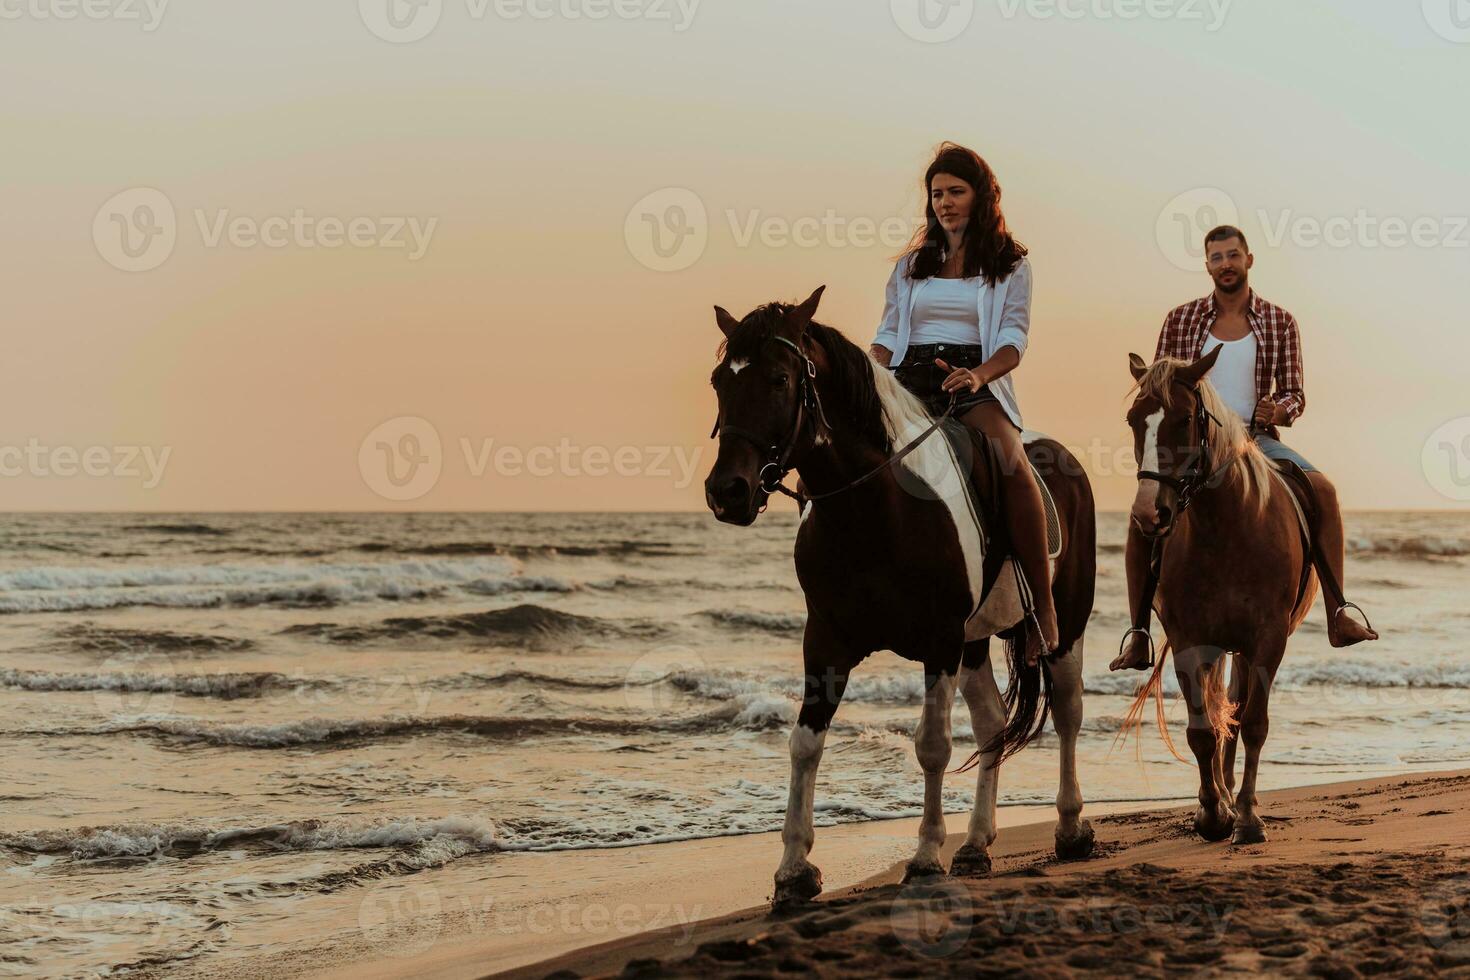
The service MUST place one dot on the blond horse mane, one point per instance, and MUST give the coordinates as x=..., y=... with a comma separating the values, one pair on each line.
x=1230, y=444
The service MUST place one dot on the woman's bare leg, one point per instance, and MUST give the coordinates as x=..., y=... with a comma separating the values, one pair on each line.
x=1024, y=507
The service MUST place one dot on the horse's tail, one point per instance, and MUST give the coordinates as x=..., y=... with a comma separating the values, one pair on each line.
x=1151, y=688
x=1219, y=710
x=1028, y=705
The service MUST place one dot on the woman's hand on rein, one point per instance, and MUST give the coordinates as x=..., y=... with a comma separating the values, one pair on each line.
x=960, y=379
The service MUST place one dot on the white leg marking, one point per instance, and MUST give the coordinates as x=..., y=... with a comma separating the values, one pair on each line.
x=1066, y=713
x=987, y=718
x=798, y=834
x=932, y=745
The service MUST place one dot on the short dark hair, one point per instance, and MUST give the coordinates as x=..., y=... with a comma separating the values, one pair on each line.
x=1224, y=233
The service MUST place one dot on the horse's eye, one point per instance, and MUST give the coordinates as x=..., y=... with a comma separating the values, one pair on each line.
x=779, y=380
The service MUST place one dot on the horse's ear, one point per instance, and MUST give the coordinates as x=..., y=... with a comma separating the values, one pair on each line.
x=1136, y=365
x=798, y=318
x=727, y=322
x=1200, y=368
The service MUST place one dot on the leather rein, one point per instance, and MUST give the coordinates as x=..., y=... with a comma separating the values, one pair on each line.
x=809, y=406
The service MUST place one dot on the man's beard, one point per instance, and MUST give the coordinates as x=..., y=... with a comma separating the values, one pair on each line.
x=1241, y=281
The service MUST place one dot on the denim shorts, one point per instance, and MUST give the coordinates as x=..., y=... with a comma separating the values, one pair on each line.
x=923, y=378
x=1275, y=449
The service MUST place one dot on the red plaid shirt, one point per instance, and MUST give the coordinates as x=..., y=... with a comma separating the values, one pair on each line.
x=1278, y=347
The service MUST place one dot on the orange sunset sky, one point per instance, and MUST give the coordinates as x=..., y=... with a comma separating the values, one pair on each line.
x=271, y=318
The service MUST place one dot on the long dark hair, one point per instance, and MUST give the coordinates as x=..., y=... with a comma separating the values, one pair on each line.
x=990, y=248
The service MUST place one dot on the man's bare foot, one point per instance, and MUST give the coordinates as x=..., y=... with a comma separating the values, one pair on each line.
x=1135, y=655
x=1343, y=630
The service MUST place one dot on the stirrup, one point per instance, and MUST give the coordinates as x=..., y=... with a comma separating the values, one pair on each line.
x=1353, y=605
x=1152, y=656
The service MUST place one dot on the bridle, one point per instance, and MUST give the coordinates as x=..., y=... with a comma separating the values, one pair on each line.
x=1195, y=476
x=808, y=405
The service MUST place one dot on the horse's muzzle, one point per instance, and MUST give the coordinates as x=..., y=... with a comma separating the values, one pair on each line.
x=732, y=501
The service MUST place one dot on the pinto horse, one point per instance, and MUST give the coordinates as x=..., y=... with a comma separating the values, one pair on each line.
x=892, y=554
x=1235, y=576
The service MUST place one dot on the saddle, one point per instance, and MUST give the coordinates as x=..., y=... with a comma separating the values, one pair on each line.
x=1309, y=517
x=966, y=443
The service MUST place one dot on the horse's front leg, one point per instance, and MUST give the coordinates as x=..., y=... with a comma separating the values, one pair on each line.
x=827, y=666
x=932, y=744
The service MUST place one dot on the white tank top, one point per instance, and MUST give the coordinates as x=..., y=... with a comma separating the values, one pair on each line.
x=1234, y=374
x=946, y=311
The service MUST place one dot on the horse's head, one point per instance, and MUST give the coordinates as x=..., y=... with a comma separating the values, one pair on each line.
x=761, y=384
x=1170, y=437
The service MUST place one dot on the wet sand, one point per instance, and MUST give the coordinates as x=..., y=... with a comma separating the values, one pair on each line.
x=1364, y=878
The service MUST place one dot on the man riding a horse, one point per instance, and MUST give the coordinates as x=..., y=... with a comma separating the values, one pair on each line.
x=1258, y=375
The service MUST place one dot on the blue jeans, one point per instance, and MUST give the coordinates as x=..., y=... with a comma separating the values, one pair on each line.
x=1275, y=449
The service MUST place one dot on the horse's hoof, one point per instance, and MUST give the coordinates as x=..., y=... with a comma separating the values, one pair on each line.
x=919, y=870
x=1078, y=847
x=970, y=862
x=1249, y=833
x=1216, y=827
x=802, y=885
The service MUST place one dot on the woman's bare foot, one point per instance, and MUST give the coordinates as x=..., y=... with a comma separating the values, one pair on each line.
x=1343, y=630
x=1048, y=620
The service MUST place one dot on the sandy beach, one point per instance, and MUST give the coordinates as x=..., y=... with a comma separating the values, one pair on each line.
x=1360, y=878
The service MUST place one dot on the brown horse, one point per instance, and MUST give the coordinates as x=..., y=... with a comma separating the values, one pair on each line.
x=1235, y=576
x=892, y=554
